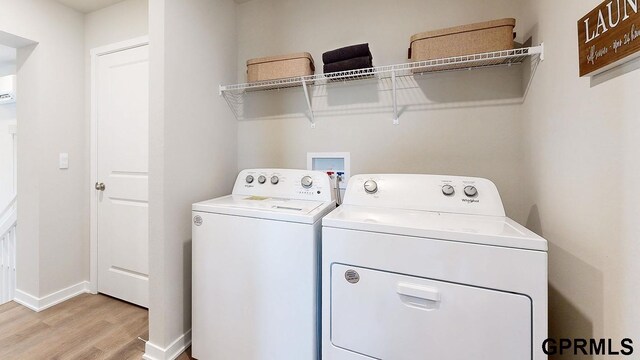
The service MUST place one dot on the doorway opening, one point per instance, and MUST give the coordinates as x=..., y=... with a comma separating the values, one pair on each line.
x=8, y=173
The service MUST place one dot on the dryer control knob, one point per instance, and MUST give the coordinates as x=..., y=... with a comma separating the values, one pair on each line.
x=471, y=191
x=249, y=179
x=274, y=180
x=370, y=186
x=306, y=182
x=262, y=179
x=448, y=190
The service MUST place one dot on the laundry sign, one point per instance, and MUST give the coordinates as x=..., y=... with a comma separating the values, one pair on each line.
x=608, y=36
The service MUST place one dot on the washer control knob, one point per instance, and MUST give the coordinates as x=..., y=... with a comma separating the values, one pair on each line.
x=306, y=182
x=249, y=179
x=274, y=180
x=370, y=186
x=448, y=190
x=471, y=191
x=262, y=179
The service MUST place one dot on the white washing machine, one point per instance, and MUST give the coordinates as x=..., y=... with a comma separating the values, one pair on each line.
x=256, y=267
x=429, y=267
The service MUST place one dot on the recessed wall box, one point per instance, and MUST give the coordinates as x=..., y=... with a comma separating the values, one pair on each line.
x=331, y=161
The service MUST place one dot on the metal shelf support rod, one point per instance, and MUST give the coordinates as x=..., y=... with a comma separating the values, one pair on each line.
x=308, y=98
x=395, y=98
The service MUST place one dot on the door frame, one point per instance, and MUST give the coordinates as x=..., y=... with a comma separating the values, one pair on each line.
x=93, y=243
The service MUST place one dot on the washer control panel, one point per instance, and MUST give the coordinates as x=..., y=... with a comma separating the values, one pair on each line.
x=451, y=194
x=284, y=183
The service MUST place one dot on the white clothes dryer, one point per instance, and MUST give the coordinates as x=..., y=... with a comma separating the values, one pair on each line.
x=429, y=267
x=256, y=269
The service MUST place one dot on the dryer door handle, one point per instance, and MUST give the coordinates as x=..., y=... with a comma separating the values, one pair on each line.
x=419, y=291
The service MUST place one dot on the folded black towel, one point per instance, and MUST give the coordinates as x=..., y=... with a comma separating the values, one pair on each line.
x=362, y=62
x=346, y=53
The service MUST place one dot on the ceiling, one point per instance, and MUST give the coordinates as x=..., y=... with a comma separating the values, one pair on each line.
x=87, y=6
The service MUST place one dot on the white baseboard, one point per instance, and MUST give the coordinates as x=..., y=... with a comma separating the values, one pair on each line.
x=154, y=352
x=39, y=304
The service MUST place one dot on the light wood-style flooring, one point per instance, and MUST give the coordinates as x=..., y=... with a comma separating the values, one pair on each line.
x=85, y=327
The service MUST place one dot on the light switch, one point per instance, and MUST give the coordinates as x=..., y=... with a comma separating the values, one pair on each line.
x=64, y=161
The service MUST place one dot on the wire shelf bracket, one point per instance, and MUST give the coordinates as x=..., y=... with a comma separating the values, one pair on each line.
x=233, y=93
x=394, y=84
x=308, y=98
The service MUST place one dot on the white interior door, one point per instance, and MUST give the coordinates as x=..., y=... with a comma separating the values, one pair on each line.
x=122, y=100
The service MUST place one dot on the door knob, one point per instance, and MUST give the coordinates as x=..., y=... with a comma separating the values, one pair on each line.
x=100, y=186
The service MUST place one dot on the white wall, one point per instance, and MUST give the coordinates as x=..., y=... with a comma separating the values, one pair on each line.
x=7, y=119
x=581, y=151
x=123, y=21
x=452, y=125
x=50, y=76
x=192, y=145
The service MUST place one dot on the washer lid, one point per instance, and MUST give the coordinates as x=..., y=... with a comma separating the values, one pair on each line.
x=306, y=211
x=477, y=229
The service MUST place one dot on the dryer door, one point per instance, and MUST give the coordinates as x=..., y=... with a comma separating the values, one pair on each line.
x=389, y=316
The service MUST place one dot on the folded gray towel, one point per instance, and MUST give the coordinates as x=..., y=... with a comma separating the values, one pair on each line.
x=346, y=53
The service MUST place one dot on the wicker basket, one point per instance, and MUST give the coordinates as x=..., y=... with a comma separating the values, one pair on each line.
x=280, y=67
x=469, y=39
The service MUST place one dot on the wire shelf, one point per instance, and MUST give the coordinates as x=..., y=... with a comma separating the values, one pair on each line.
x=457, y=63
